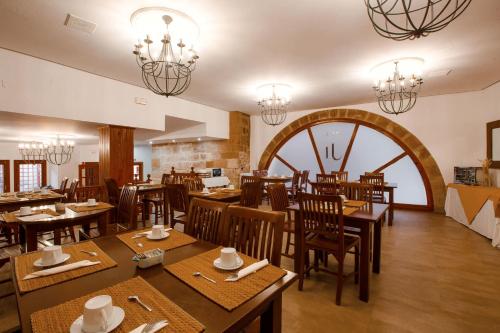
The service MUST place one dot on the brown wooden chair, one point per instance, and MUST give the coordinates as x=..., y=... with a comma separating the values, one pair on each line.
x=256, y=233
x=279, y=202
x=166, y=178
x=113, y=191
x=126, y=212
x=342, y=176
x=377, y=180
x=321, y=229
x=357, y=191
x=71, y=194
x=304, y=180
x=98, y=192
x=62, y=187
x=178, y=200
x=324, y=188
x=260, y=173
x=249, y=179
x=205, y=219
x=294, y=186
x=251, y=194
x=325, y=178
x=194, y=184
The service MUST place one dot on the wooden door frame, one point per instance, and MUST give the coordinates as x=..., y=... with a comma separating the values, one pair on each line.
x=17, y=163
x=6, y=175
x=141, y=170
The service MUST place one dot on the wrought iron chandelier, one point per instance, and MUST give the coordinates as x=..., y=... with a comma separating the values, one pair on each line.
x=33, y=151
x=397, y=83
x=59, y=152
x=273, y=102
x=165, y=49
x=410, y=19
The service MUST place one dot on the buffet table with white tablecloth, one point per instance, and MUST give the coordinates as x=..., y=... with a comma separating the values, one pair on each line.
x=216, y=181
x=481, y=215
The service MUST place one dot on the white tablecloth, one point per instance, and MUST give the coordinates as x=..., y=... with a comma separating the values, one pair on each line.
x=485, y=222
x=216, y=181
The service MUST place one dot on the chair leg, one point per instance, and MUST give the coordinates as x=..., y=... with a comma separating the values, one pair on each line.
x=307, y=263
x=316, y=260
x=288, y=240
x=156, y=213
x=356, y=264
x=340, y=281
x=301, y=268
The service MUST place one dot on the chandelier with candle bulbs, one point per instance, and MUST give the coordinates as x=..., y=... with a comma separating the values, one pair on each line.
x=165, y=49
x=273, y=101
x=397, y=83
x=410, y=19
x=57, y=152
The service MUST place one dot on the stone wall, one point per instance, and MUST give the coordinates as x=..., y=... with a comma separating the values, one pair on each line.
x=233, y=155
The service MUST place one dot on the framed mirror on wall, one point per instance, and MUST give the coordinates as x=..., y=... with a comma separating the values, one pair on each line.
x=493, y=143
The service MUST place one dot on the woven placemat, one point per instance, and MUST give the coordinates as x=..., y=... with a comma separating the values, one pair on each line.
x=349, y=210
x=354, y=203
x=59, y=318
x=176, y=239
x=33, y=196
x=84, y=208
x=229, y=295
x=24, y=266
x=13, y=217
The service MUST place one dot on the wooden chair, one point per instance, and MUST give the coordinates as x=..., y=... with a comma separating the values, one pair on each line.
x=71, y=194
x=279, y=202
x=194, y=184
x=97, y=192
x=62, y=187
x=377, y=180
x=178, y=199
x=256, y=233
x=205, y=219
x=260, y=173
x=322, y=221
x=325, y=178
x=357, y=191
x=249, y=179
x=324, y=188
x=126, y=212
x=342, y=176
x=304, y=180
x=166, y=178
x=294, y=186
x=113, y=191
x=251, y=194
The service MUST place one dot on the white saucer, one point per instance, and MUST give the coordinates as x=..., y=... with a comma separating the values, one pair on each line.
x=150, y=236
x=239, y=263
x=64, y=257
x=89, y=205
x=115, y=320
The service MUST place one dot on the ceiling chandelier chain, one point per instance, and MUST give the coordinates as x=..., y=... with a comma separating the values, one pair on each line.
x=398, y=93
x=166, y=70
x=409, y=19
x=273, y=103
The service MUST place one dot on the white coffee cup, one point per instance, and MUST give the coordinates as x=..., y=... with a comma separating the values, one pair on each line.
x=45, y=191
x=51, y=255
x=36, y=189
x=343, y=197
x=205, y=190
x=91, y=202
x=228, y=257
x=60, y=207
x=158, y=231
x=96, y=314
x=231, y=187
x=25, y=210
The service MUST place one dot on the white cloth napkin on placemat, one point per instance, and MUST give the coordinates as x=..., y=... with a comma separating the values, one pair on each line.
x=36, y=217
x=156, y=328
x=249, y=270
x=60, y=269
x=145, y=233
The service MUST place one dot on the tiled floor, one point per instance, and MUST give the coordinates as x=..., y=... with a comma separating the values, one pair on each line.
x=437, y=276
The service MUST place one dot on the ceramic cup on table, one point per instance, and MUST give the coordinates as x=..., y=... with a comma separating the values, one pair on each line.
x=51, y=255
x=45, y=191
x=60, y=207
x=158, y=231
x=25, y=210
x=91, y=202
x=228, y=257
x=205, y=190
x=96, y=314
x=231, y=187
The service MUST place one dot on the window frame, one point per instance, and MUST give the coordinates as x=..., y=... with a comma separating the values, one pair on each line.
x=6, y=175
x=17, y=164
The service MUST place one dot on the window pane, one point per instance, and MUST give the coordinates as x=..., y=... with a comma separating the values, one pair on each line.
x=2, y=176
x=325, y=135
x=30, y=176
x=298, y=151
x=279, y=169
x=411, y=187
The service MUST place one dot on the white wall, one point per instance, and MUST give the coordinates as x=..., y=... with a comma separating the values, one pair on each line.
x=144, y=154
x=452, y=127
x=33, y=86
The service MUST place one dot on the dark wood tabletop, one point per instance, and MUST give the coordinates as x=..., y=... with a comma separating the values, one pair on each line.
x=27, y=200
x=276, y=179
x=218, y=195
x=214, y=317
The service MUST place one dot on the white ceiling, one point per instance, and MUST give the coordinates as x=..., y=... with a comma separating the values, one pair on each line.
x=323, y=48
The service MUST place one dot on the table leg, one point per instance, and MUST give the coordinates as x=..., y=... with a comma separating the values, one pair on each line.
x=391, y=205
x=270, y=320
x=364, y=264
x=102, y=223
x=57, y=236
x=377, y=244
x=31, y=242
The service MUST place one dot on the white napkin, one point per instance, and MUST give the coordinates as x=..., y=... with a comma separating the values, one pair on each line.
x=60, y=269
x=156, y=328
x=36, y=217
x=145, y=233
x=249, y=270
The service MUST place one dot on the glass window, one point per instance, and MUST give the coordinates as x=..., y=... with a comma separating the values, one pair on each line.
x=411, y=188
x=279, y=168
x=332, y=135
x=30, y=176
x=2, y=178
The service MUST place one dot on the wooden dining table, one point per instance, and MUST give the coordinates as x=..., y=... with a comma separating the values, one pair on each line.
x=10, y=202
x=275, y=179
x=368, y=218
x=267, y=304
x=28, y=231
x=221, y=195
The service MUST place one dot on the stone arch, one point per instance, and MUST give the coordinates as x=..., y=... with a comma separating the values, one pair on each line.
x=431, y=175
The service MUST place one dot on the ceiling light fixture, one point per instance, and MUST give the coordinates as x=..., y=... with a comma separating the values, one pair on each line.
x=165, y=49
x=410, y=19
x=56, y=152
x=397, y=83
x=273, y=101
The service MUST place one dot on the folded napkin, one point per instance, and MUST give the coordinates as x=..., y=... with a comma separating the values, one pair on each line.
x=156, y=328
x=248, y=270
x=60, y=269
x=35, y=217
x=145, y=233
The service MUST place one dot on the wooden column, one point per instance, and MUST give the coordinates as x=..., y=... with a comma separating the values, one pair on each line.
x=116, y=154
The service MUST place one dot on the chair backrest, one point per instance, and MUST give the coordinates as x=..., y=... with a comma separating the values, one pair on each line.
x=71, y=195
x=325, y=188
x=304, y=179
x=178, y=197
x=97, y=192
x=205, y=219
x=256, y=233
x=166, y=178
x=63, y=185
x=178, y=177
x=194, y=184
x=260, y=173
x=325, y=178
x=321, y=215
x=113, y=191
x=377, y=180
x=278, y=196
x=357, y=191
x=127, y=205
x=342, y=176
x=249, y=179
x=251, y=194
